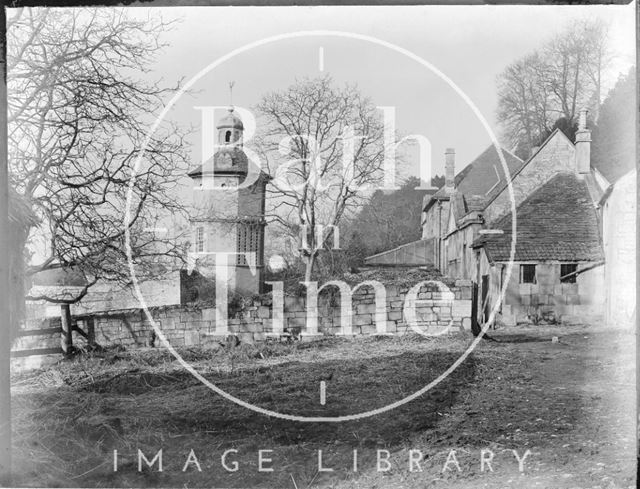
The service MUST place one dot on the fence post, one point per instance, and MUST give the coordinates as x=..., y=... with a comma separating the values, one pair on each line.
x=91, y=333
x=66, y=340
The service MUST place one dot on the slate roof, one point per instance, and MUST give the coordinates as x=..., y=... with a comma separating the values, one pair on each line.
x=556, y=222
x=228, y=160
x=442, y=193
x=487, y=177
x=481, y=180
x=466, y=204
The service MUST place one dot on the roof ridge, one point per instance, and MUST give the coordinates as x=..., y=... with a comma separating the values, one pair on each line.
x=529, y=161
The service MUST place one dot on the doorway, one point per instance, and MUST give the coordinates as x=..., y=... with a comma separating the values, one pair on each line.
x=485, y=299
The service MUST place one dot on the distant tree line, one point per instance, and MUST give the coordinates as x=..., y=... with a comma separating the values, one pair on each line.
x=614, y=136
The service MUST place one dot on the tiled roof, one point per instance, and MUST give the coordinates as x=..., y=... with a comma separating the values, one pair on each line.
x=442, y=193
x=556, y=222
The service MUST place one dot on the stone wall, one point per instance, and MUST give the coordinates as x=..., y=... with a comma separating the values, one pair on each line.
x=434, y=226
x=436, y=309
x=461, y=259
x=550, y=300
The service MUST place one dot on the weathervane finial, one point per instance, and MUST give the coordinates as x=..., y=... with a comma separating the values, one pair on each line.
x=231, y=84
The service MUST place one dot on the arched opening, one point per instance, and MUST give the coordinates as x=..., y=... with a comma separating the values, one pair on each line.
x=227, y=137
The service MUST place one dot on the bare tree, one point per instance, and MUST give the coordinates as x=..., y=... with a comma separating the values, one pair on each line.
x=525, y=101
x=79, y=110
x=553, y=83
x=596, y=35
x=320, y=170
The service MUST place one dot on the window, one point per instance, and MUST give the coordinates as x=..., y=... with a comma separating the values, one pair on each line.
x=200, y=240
x=241, y=244
x=566, y=269
x=227, y=137
x=527, y=274
x=248, y=240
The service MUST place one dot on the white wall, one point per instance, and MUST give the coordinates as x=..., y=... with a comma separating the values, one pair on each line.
x=619, y=237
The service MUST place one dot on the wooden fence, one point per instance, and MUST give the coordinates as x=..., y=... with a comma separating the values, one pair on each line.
x=67, y=326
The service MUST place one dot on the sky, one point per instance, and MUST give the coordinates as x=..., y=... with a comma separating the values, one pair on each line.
x=469, y=45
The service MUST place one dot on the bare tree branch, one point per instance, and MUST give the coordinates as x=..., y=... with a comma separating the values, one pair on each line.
x=317, y=181
x=79, y=109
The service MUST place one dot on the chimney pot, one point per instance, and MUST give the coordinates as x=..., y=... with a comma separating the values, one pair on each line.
x=582, y=120
x=583, y=145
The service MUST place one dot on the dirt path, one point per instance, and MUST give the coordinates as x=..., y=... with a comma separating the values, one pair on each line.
x=571, y=404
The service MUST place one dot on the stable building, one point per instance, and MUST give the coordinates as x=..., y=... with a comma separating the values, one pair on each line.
x=574, y=253
x=557, y=271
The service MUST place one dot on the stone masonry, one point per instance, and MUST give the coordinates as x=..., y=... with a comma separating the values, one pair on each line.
x=435, y=310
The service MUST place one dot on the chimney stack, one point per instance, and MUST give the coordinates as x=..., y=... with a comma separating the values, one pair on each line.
x=449, y=170
x=583, y=145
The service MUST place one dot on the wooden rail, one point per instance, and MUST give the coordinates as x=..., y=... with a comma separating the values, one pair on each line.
x=65, y=330
x=36, y=351
x=38, y=332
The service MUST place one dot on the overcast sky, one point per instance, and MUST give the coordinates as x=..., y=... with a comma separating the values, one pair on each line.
x=469, y=44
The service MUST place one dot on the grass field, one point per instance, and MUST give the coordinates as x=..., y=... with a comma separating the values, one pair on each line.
x=570, y=403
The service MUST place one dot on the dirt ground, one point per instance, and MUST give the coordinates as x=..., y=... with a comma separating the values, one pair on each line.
x=568, y=405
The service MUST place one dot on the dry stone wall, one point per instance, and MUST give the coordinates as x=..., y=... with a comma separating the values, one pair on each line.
x=436, y=311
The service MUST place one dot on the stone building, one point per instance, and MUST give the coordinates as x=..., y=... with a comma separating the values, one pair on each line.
x=228, y=211
x=574, y=253
x=452, y=217
x=556, y=272
x=562, y=261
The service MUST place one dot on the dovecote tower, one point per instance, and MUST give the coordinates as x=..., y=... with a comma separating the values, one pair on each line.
x=228, y=214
